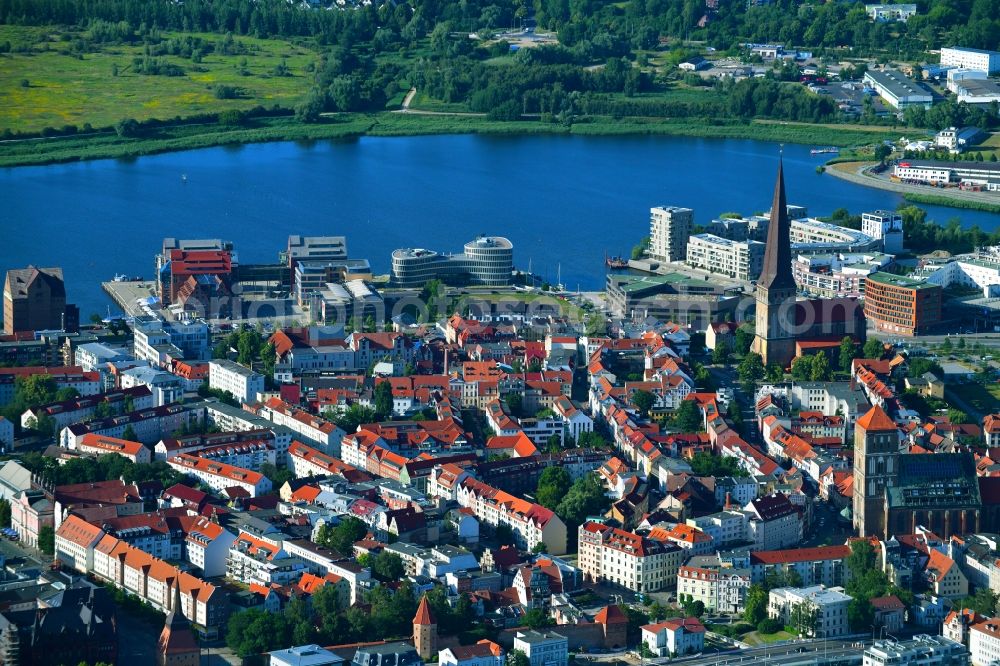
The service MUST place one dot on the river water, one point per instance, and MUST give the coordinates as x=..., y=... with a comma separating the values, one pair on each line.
x=564, y=201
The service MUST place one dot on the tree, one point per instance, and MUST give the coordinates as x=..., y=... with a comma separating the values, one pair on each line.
x=860, y=613
x=278, y=477
x=130, y=434
x=751, y=370
x=705, y=464
x=4, y=513
x=553, y=485
x=755, y=606
x=720, y=355
x=984, y=602
x=957, y=416
x=874, y=349
x=687, y=417
x=517, y=658
x=882, y=152
x=47, y=539
x=848, y=351
x=585, y=498
x=514, y=403
x=643, y=401
x=919, y=366
x=802, y=618
x=341, y=537
x=775, y=373
x=590, y=440
x=540, y=548
x=536, y=618
x=504, y=535
x=820, y=368
x=352, y=417
x=743, y=339
x=383, y=400
x=387, y=566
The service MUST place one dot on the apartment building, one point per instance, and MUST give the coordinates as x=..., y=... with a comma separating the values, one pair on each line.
x=258, y=557
x=164, y=342
x=152, y=580
x=720, y=588
x=884, y=225
x=318, y=432
x=307, y=461
x=75, y=542
x=207, y=546
x=669, y=230
x=821, y=565
x=775, y=522
x=218, y=476
x=828, y=604
x=150, y=425
x=75, y=410
x=543, y=648
x=531, y=523
x=611, y=555
x=232, y=419
x=243, y=383
x=740, y=260
x=99, y=444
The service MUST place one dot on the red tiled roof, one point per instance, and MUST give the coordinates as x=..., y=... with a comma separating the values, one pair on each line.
x=876, y=420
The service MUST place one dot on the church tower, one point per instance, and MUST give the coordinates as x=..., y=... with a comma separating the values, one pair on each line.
x=177, y=646
x=425, y=633
x=775, y=293
x=876, y=465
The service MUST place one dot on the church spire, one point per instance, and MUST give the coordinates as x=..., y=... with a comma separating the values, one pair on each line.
x=777, y=270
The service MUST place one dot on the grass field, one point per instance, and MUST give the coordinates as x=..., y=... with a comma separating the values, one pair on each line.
x=73, y=90
x=757, y=638
x=984, y=398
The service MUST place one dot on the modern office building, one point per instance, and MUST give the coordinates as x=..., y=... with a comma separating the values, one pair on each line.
x=486, y=261
x=669, y=229
x=978, y=59
x=921, y=650
x=885, y=225
x=897, y=90
x=900, y=305
x=836, y=275
x=740, y=260
x=34, y=299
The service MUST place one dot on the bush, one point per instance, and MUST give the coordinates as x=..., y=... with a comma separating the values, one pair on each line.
x=226, y=92
x=768, y=626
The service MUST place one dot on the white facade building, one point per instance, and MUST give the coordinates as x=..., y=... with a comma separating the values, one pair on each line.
x=887, y=226
x=669, y=229
x=829, y=605
x=740, y=260
x=242, y=382
x=543, y=648
x=978, y=59
x=608, y=554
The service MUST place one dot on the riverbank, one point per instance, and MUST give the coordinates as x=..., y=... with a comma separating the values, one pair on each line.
x=108, y=144
x=952, y=197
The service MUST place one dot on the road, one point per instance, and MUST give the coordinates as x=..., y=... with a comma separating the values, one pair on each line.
x=784, y=654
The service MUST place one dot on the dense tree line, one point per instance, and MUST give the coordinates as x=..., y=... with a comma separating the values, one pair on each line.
x=102, y=468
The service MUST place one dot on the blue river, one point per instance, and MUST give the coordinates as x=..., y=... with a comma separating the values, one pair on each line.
x=564, y=201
